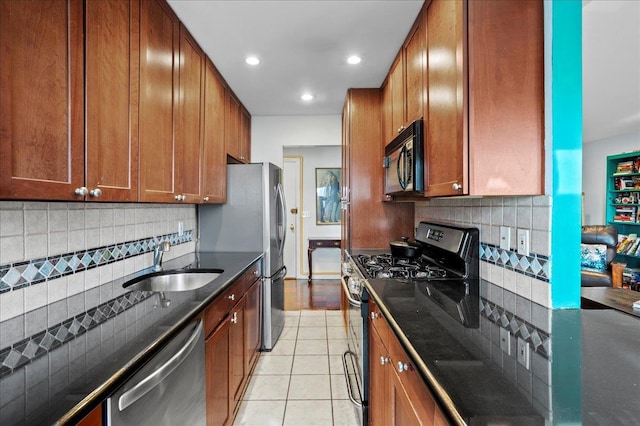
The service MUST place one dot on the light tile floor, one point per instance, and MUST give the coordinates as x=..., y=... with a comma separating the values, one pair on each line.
x=301, y=382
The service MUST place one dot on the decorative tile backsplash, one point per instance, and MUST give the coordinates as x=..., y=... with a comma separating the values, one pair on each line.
x=23, y=274
x=526, y=276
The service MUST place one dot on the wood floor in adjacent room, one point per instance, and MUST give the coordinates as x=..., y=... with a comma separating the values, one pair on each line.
x=320, y=294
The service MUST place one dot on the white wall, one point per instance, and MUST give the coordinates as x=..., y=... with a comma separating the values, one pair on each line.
x=594, y=170
x=318, y=140
x=269, y=134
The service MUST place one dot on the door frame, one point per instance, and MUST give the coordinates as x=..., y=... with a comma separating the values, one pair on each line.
x=298, y=222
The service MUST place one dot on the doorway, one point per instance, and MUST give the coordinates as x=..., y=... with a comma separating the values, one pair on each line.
x=292, y=182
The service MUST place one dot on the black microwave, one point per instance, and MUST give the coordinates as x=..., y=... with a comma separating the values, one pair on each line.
x=404, y=162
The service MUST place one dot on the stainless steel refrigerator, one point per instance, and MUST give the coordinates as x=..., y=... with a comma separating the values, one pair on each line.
x=253, y=219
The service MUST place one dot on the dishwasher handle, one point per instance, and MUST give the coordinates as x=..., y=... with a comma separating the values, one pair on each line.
x=151, y=381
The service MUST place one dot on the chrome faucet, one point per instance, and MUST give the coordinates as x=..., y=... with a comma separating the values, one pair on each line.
x=157, y=254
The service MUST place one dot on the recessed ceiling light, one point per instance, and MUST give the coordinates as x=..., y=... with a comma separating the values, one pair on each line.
x=306, y=97
x=252, y=60
x=353, y=60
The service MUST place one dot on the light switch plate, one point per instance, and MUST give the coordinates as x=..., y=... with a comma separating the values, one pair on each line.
x=523, y=353
x=523, y=242
x=505, y=237
x=505, y=341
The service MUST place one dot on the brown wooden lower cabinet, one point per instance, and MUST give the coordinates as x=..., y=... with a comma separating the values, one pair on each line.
x=232, y=346
x=217, y=370
x=397, y=393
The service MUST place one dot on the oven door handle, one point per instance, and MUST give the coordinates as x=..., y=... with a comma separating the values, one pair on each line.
x=353, y=302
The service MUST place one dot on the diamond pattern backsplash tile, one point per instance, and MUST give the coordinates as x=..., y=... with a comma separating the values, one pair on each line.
x=534, y=265
x=24, y=274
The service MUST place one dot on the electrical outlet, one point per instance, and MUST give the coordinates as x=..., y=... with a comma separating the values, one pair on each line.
x=523, y=353
x=505, y=341
x=180, y=228
x=505, y=237
x=523, y=242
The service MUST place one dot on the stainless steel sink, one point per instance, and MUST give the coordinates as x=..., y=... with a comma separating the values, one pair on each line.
x=173, y=280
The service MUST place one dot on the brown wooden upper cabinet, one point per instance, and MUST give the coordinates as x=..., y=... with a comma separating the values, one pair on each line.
x=237, y=130
x=485, y=114
x=171, y=80
x=214, y=158
x=43, y=146
x=402, y=91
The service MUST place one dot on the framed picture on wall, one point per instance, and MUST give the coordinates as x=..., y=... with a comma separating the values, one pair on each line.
x=328, y=204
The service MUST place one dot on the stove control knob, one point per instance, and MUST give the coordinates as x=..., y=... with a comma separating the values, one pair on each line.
x=375, y=315
x=402, y=366
x=384, y=360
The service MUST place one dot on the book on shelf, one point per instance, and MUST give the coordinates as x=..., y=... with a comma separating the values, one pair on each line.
x=628, y=245
x=624, y=167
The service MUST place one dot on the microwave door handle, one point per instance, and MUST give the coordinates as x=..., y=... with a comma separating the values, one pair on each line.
x=401, y=168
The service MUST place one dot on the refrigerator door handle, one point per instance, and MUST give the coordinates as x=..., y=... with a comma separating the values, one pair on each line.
x=282, y=230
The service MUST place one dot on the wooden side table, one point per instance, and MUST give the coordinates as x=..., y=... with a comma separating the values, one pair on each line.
x=315, y=243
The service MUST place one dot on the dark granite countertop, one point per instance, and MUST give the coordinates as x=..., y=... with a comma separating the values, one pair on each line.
x=102, y=358
x=584, y=365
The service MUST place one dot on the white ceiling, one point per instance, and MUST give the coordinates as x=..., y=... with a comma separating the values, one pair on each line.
x=303, y=45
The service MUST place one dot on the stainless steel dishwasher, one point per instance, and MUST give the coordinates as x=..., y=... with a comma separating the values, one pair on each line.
x=169, y=389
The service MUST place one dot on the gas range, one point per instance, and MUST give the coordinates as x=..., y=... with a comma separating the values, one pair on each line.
x=447, y=271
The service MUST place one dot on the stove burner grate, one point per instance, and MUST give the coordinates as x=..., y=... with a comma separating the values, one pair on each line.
x=386, y=266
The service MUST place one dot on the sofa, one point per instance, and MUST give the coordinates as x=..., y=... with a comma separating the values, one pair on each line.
x=598, y=249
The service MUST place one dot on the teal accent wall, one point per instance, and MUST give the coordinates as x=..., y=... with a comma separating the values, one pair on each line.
x=566, y=158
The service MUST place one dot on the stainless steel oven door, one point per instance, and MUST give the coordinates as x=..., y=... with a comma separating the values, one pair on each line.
x=352, y=359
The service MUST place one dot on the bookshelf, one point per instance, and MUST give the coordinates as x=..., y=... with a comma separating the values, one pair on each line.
x=623, y=205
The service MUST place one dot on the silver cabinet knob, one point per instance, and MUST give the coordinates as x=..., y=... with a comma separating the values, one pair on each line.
x=82, y=191
x=402, y=366
x=206, y=199
x=232, y=297
x=384, y=360
x=180, y=197
x=234, y=318
x=456, y=187
x=96, y=193
x=375, y=315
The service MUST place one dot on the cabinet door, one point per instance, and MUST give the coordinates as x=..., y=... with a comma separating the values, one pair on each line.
x=236, y=354
x=252, y=326
x=41, y=99
x=111, y=36
x=414, y=73
x=397, y=95
x=506, y=97
x=217, y=371
x=188, y=137
x=245, y=135
x=159, y=33
x=379, y=383
x=386, y=107
x=447, y=150
x=214, y=159
x=232, y=127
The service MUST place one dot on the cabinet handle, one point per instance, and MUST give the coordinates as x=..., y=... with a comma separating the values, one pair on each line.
x=384, y=360
x=232, y=297
x=456, y=187
x=256, y=273
x=82, y=191
x=206, y=199
x=180, y=197
x=375, y=315
x=96, y=193
x=402, y=366
x=234, y=318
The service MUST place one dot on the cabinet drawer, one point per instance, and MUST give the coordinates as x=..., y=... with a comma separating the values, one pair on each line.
x=378, y=322
x=228, y=299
